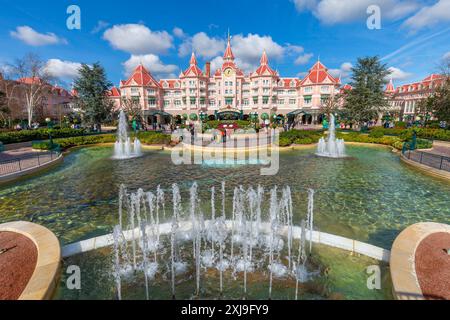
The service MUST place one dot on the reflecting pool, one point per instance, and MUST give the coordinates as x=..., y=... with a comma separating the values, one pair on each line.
x=369, y=196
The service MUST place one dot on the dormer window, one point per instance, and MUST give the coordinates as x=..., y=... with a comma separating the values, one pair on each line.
x=292, y=84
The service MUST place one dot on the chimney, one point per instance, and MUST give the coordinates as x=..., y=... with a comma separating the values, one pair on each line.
x=208, y=69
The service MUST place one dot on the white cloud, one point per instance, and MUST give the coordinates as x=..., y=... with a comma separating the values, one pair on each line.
x=304, y=59
x=430, y=16
x=344, y=71
x=153, y=63
x=137, y=39
x=101, y=25
x=303, y=5
x=446, y=56
x=203, y=45
x=246, y=48
x=343, y=11
x=179, y=33
x=398, y=74
x=34, y=38
x=216, y=63
x=62, y=69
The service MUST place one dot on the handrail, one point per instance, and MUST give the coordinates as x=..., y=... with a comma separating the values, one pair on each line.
x=436, y=161
x=11, y=166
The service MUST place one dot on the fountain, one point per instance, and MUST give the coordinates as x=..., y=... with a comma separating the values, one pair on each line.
x=245, y=245
x=123, y=148
x=331, y=148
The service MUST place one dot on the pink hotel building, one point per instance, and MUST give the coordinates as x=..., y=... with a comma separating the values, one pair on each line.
x=228, y=91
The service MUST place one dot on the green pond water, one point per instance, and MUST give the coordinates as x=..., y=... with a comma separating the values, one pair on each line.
x=370, y=196
x=345, y=278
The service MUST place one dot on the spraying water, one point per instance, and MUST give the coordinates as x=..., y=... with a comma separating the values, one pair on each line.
x=245, y=245
x=331, y=148
x=123, y=148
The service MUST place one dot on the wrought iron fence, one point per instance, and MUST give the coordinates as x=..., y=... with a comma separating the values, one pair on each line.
x=11, y=166
x=429, y=159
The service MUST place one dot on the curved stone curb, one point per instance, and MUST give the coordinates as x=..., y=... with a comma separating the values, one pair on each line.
x=46, y=274
x=30, y=171
x=350, y=245
x=403, y=265
x=426, y=169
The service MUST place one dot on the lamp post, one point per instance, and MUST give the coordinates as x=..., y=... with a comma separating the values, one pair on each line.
x=50, y=128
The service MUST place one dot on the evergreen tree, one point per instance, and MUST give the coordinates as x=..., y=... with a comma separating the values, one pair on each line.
x=92, y=87
x=366, y=101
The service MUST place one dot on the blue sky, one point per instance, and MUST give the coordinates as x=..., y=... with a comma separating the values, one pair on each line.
x=414, y=35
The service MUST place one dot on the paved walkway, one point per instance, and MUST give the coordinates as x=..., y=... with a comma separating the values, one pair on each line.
x=440, y=148
x=22, y=159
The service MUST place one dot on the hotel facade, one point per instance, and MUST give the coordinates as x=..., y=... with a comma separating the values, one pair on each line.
x=404, y=100
x=229, y=93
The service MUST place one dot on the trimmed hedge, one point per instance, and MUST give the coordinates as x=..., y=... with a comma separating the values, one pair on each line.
x=66, y=143
x=300, y=137
x=424, y=133
x=304, y=137
x=39, y=134
x=154, y=138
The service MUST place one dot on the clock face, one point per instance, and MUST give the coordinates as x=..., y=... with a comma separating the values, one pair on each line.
x=228, y=72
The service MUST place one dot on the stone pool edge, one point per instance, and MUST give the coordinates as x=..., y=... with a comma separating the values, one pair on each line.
x=402, y=261
x=318, y=237
x=45, y=278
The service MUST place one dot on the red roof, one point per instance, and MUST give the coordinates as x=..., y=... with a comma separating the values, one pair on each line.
x=115, y=92
x=319, y=74
x=170, y=83
x=193, y=69
x=288, y=81
x=30, y=80
x=264, y=68
x=141, y=77
x=390, y=87
x=228, y=52
x=434, y=79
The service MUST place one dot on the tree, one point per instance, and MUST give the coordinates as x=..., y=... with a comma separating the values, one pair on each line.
x=4, y=110
x=331, y=105
x=11, y=97
x=366, y=101
x=133, y=108
x=92, y=87
x=34, y=80
x=438, y=102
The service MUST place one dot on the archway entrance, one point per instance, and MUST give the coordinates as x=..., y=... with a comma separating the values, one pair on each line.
x=229, y=116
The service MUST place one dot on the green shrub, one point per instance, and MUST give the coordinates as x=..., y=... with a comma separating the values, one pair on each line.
x=424, y=144
x=304, y=141
x=154, y=138
x=66, y=143
x=45, y=145
x=400, y=125
x=39, y=134
x=284, y=142
x=2, y=148
x=301, y=136
x=377, y=133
